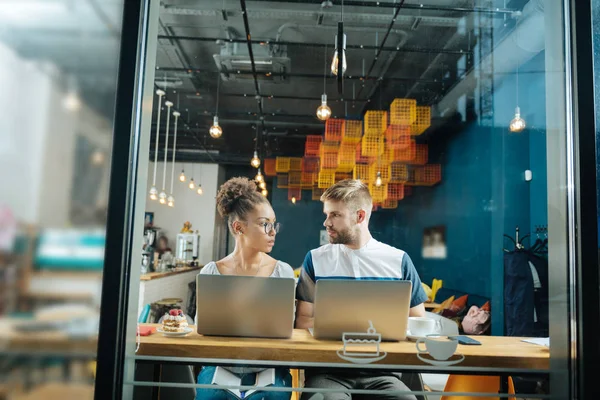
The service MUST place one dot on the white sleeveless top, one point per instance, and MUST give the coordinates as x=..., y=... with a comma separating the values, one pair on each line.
x=281, y=270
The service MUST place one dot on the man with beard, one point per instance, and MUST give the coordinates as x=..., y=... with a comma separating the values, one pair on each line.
x=352, y=253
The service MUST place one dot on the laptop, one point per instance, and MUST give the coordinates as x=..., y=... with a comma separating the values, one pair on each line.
x=245, y=306
x=347, y=306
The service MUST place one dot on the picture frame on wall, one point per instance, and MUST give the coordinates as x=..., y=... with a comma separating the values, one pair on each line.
x=148, y=219
x=434, y=243
x=323, y=238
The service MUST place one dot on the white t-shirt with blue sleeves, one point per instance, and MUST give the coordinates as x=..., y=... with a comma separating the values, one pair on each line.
x=373, y=261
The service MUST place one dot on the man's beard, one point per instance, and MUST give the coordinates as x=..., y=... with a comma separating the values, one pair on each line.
x=345, y=237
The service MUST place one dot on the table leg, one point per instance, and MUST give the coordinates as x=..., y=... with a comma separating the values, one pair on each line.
x=503, y=384
x=156, y=378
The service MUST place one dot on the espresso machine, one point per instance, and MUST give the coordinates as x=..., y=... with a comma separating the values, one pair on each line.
x=150, y=235
x=188, y=248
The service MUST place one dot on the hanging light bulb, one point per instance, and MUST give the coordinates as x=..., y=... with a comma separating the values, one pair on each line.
x=215, y=130
x=264, y=192
x=171, y=201
x=517, y=124
x=255, y=162
x=200, y=191
x=153, y=193
x=162, y=197
x=262, y=185
x=323, y=112
x=259, y=177
x=339, y=53
x=293, y=199
x=182, y=176
x=378, y=181
x=192, y=185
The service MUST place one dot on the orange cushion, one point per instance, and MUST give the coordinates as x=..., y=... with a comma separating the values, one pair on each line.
x=444, y=305
x=486, y=306
x=459, y=304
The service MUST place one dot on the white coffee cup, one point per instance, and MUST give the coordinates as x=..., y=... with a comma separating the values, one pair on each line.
x=421, y=326
x=440, y=347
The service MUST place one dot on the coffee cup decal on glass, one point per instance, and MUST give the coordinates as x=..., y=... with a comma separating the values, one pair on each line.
x=439, y=347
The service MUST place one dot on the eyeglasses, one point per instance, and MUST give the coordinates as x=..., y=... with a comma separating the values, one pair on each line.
x=269, y=226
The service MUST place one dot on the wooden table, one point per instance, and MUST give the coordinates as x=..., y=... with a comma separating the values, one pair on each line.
x=62, y=391
x=43, y=341
x=495, y=351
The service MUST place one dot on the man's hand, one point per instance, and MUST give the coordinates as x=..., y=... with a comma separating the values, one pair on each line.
x=305, y=312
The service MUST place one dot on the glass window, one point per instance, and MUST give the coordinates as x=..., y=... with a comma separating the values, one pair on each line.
x=419, y=159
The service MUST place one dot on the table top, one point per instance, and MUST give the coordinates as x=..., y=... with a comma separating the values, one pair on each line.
x=302, y=347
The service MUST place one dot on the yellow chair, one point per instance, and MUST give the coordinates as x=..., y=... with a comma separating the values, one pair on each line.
x=295, y=383
x=476, y=384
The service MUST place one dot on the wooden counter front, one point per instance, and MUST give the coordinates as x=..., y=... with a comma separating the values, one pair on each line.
x=157, y=275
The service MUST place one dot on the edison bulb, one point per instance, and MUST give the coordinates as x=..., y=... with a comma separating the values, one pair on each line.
x=378, y=180
x=323, y=112
x=334, y=62
x=200, y=191
x=215, y=130
x=262, y=185
x=517, y=124
x=153, y=193
x=259, y=177
x=171, y=201
x=264, y=192
x=162, y=197
x=182, y=177
x=192, y=185
x=255, y=162
x=293, y=199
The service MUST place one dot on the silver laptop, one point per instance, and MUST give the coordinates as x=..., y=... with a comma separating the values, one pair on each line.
x=245, y=306
x=347, y=306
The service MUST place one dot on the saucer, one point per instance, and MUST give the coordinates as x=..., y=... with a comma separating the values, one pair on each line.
x=455, y=359
x=175, y=334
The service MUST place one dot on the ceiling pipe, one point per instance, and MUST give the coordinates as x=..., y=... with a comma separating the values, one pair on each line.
x=347, y=28
x=301, y=75
x=456, y=38
x=387, y=33
x=521, y=45
x=418, y=6
x=318, y=45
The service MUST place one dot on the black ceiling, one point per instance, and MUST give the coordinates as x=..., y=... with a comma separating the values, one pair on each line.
x=394, y=49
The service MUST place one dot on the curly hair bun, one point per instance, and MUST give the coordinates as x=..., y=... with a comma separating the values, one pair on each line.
x=235, y=191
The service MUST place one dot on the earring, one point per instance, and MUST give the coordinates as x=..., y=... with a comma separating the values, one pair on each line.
x=239, y=232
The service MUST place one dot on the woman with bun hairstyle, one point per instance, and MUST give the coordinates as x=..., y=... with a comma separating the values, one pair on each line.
x=252, y=222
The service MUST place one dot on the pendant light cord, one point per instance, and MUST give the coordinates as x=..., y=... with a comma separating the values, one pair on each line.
x=174, y=147
x=166, y=147
x=157, y=134
x=325, y=71
x=218, y=89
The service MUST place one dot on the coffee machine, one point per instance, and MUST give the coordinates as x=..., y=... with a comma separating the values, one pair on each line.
x=188, y=248
x=150, y=235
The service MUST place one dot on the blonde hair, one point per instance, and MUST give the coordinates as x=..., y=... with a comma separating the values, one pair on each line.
x=354, y=193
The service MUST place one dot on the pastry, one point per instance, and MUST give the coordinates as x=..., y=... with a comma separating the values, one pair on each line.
x=175, y=321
